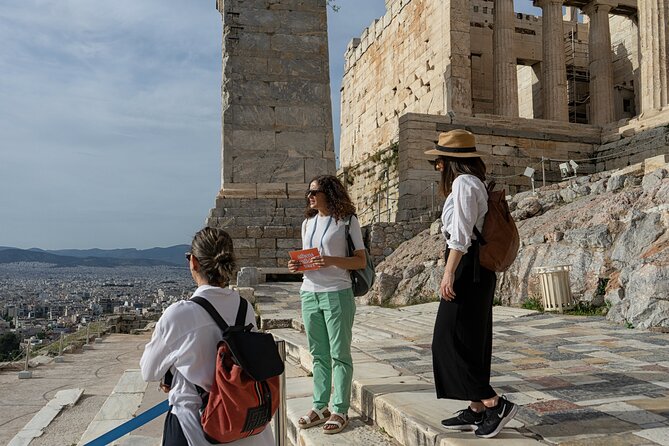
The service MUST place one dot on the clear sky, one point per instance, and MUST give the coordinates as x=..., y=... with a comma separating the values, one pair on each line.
x=110, y=117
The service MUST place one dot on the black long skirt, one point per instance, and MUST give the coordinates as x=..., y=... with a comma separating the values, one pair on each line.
x=462, y=340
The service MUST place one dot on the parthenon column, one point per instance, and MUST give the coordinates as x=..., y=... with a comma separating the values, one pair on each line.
x=654, y=48
x=554, y=70
x=601, y=63
x=505, y=78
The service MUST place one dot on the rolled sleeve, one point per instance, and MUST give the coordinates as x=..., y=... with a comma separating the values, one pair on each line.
x=465, y=214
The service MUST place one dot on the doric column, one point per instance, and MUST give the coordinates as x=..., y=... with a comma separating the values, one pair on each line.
x=457, y=43
x=505, y=78
x=601, y=63
x=654, y=60
x=554, y=70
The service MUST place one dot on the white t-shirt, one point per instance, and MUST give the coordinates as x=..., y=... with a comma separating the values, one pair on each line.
x=184, y=342
x=329, y=236
x=465, y=206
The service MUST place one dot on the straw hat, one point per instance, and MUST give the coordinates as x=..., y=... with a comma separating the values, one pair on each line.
x=456, y=144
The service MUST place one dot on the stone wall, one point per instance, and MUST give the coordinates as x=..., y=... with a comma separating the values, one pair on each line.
x=262, y=230
x=276, y=123
x=373, y=185
x=511, y=143
x=396, y=66
x=384, y=238
x=633, y=149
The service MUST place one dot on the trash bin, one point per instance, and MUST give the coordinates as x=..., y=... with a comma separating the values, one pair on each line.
x=554, y=281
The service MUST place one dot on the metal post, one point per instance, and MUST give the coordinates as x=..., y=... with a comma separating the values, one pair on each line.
x=88, y=326
x=62, y=339
x=432, y=184
x=30, y=341
x=280, y=417
x=543, y=171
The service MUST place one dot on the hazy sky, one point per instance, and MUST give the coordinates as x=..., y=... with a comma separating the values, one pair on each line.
x=110, y=117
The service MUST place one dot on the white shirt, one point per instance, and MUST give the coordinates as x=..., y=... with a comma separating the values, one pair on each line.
x=184, y=341
x=465, y=206
x=330, y=242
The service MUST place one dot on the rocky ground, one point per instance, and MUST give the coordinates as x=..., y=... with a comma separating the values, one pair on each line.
x=610, y=227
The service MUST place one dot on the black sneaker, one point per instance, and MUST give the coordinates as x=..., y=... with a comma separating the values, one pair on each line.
x=465, y=420
x=496, y=417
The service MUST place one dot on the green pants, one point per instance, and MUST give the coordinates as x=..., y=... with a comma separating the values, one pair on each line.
x=328, y=321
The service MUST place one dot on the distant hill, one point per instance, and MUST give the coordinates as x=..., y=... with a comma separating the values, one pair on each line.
x=172, y=256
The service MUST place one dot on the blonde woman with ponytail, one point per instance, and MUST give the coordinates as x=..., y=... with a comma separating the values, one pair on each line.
x=184, y=341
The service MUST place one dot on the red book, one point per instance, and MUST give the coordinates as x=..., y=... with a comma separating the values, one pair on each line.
x=305, y=257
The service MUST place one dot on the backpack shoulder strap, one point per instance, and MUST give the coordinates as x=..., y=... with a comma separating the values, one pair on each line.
x=204, y=303
x=241, y=312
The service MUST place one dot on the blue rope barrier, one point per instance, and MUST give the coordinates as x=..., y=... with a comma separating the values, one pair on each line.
x=130, y=425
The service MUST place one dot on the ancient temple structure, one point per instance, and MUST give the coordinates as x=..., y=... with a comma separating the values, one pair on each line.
x=537, y=92
x=276, y=123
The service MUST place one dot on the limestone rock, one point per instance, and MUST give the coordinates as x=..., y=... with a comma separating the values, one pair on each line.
x=615, y=183
x=609, y=227
x=531, y=206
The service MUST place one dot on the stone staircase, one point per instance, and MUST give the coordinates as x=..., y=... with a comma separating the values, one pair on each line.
x=121, y=406
x=388, y=407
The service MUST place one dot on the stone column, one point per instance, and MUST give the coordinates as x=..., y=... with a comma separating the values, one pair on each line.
x=601, y=63
x=276, y=124
x=505, y=77
x=554, y=69
x=654, y=49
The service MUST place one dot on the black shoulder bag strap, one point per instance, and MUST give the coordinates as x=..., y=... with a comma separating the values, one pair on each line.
x=349, y=240
x=209, y=308
x=241, y=312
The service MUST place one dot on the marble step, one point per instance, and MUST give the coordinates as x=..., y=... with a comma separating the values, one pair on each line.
x=36, y=426
x=121, y=406
x=403, y=406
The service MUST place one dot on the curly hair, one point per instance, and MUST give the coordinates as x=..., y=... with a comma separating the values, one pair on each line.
x=459, y=166
x=338, y=201
x=213, y=249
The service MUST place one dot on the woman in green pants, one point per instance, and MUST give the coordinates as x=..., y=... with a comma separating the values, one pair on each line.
x=328, y=305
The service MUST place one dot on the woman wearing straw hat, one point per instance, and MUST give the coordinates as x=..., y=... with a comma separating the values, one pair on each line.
x=462, y=341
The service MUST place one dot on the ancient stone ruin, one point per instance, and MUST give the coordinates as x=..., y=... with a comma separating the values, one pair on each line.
x=590, y=87
x=277, y=123
x=537, y=92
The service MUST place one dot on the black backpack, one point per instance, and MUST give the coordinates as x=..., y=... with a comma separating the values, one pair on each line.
x=361, y=279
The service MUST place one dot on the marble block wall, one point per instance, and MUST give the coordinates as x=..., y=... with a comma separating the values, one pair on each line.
x=276, y=122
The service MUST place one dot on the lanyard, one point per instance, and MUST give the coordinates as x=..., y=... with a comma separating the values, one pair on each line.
x=311, y=240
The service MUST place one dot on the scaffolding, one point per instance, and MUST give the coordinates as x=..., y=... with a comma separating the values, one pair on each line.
x=578, y=78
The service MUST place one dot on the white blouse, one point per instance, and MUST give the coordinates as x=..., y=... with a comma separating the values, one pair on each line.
x=465, y=206
x=185, y=341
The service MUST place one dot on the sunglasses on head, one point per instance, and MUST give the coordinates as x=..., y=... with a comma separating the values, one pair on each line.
x=312, y=192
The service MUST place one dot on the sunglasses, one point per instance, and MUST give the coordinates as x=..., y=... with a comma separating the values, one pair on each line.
x=436, y=163
x=312, y=192
x=188, y=256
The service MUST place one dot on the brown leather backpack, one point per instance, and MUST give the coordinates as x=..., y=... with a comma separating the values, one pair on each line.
x=500, y=240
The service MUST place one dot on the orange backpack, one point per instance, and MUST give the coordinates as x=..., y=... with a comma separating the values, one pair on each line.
x=500, y=240
x=245, y=392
